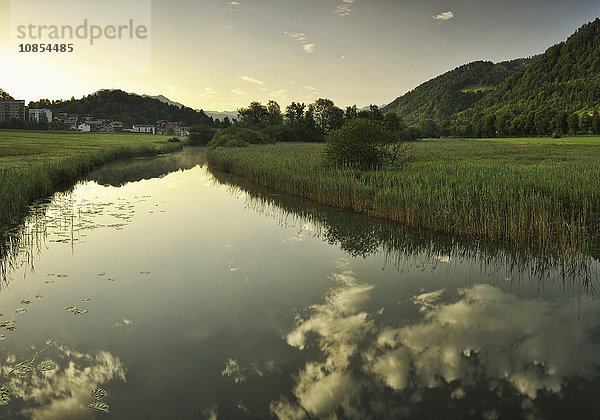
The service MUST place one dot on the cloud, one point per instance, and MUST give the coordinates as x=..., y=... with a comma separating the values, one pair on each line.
x=251, y=80
x=343, y=8
x=442, y=17
x=239, y=92
x=457, y=343
x=309, y=48
x=208, y=93
x=279, y=94
x=233, y=6
x=63, y=393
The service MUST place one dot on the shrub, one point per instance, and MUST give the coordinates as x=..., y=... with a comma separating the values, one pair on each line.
x=201, y=135
x=236, y=136
x=364, y=144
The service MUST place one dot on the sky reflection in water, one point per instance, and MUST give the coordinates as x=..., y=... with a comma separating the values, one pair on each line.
x=209, y=297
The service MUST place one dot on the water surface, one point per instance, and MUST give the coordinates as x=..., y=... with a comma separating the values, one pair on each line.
x=208, y=297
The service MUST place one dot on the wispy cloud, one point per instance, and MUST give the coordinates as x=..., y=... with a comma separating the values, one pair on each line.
x=208, y=93
x=343, y=8
x=307, y=47
x=251, y=80
x=239, y=92
x=233, y=6
x=444, y=16
x=279, y=94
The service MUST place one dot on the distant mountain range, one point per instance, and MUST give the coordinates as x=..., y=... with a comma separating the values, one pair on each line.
x=217, y=115
x=566, y=78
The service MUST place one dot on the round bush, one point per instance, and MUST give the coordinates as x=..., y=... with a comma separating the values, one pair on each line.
x=360, y=143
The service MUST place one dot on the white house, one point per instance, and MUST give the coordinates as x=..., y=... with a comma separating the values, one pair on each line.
x=84, y=127
x=38, y=115
x=150, y=129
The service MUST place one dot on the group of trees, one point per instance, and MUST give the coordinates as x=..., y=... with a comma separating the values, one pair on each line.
x=299, y=123
x=541, y=122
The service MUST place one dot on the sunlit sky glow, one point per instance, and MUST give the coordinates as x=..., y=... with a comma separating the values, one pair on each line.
x=220, y=55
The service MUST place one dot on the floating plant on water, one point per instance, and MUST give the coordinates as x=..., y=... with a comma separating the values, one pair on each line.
x=99, y=393
x=145, y=273
x=5, y=392
x=25, y=302
x=20, y=310
x=62, y=276
x=10, y=325
x=75, y=310
x=102, y=273
x=99, y=406
x=46, y=365
x=49, y=281
x=85, y=299
x=39, y=297
x=24, y=368
x=2, y=337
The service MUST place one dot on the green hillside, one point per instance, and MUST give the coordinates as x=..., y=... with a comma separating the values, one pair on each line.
x=129, y=108
x=566, y=78
x=455, y=91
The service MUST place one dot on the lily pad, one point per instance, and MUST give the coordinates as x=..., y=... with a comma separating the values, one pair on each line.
x=75, y=310
x=99, y=406
x=25, y=302
x=102, y=274
x=20, y=310
x=24, y=368
x=46, y=365
x=39, y=297
x=85, y=299
x=145, y=273
x=9, y=325
x=49, y=281
x=110, y=279
x=5, y=392
x=99, y=393
x=62, y=276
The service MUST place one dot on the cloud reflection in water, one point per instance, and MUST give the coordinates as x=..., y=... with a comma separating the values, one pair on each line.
x=480, y=337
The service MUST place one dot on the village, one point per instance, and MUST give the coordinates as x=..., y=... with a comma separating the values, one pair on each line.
x=16, y=110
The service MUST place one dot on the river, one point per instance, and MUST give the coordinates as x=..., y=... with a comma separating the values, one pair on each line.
x=178, y=293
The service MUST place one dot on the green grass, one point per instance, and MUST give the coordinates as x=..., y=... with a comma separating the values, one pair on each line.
x=35, y=164
x=537, y=192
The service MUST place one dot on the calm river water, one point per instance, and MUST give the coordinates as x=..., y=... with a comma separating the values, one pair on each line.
x=186, y=294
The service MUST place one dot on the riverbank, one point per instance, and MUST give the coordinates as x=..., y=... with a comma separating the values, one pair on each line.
x=35, y=164
x=541, y=193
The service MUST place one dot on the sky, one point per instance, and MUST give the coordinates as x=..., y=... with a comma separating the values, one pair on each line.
x=221, y=55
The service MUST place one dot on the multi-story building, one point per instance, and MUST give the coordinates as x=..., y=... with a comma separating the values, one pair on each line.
x=12, y=110
x=40, y=115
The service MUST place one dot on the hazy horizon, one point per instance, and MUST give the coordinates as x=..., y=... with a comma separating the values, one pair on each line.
x=220, y=55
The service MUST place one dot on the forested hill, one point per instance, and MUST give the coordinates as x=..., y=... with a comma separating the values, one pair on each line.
x=4, y=96
x=455, y=91
x=565, y=78
x=128, y=108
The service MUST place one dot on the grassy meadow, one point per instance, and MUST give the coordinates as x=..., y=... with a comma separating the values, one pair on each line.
x=35, y=164
x=537, y=192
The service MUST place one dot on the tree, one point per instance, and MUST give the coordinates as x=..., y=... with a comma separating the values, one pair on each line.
x=351, y=113
x=428, y=128
x=327, y=116
x=561, y=122
x=200, y=135
x=573, y=123
x=274, y=116
x=393, y=122
x=256, y=115
x=364, y=144
x=294, y=112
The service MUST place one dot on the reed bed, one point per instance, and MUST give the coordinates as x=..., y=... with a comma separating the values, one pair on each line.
x=35, y=165
x=539, y=193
